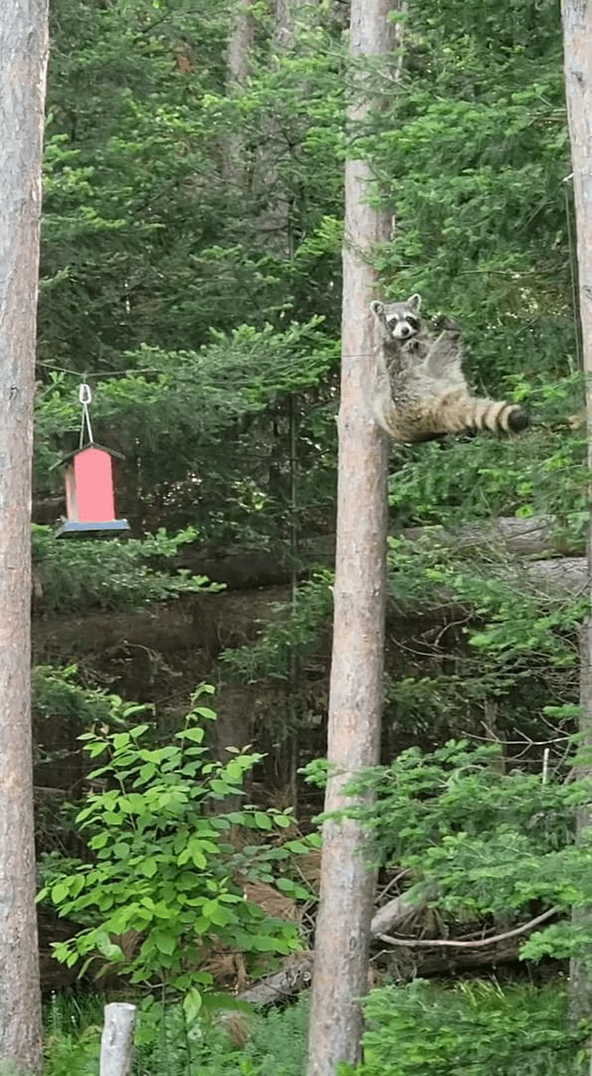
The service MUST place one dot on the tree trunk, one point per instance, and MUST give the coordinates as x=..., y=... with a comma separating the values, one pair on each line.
x=356, y=692
x=275, y=221
x=285, y=19
x=240, y=48
x=577, y=42
x=23, y=58
x=240, y=45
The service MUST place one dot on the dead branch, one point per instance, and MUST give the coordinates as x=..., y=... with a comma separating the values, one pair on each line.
x=429, y=943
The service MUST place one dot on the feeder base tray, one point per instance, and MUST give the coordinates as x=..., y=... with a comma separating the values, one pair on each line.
x=70, y=528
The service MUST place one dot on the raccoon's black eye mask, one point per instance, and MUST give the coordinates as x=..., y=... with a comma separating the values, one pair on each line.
x=411, y=320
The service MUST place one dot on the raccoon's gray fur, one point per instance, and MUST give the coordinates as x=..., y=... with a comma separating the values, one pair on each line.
x=420, y=392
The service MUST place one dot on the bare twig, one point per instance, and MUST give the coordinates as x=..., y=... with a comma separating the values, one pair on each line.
x=410, y=943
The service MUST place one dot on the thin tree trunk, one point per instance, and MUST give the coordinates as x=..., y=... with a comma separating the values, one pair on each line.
x=285, y=19
x=240, y=49
x=23, y=58
x=356, y=693
x=580, y=972
x=275, y=224
x=577, y=42
x=240, y=45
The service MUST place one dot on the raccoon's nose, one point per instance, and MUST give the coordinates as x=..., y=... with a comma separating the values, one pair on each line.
x=405, y=331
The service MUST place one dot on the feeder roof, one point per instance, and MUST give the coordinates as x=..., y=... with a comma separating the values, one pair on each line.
x=77, y=451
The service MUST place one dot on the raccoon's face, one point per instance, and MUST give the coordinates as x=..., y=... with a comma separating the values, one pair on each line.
x=401, y=319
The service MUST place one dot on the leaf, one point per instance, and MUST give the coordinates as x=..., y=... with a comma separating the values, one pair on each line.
x=194, y=734
x=264, y=944
x=107, y=948
x=204, y=711
x=263, y=820
x=60, y=891
x=221, y=788
x=164, y=941
x=192, y=1004
x=299, y=847
x=148, y=867
x=283, y=821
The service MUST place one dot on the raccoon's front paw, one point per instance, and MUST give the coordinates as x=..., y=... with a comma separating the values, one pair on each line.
x=442, y=323
x=518, y=420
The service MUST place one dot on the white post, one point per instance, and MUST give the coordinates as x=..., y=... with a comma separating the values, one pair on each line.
x=117, y=1040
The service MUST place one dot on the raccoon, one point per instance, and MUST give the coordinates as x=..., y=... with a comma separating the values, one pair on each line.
x=420, y=392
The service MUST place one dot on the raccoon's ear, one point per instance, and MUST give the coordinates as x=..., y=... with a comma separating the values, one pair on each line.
x=377, y=307
x=414, y=301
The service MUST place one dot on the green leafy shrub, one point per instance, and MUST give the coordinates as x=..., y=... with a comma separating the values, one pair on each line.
x=482, y=842
x=423, y=1029
x=474, y=1029
x=57, y=696
x=166, y=1046
x=163, y=871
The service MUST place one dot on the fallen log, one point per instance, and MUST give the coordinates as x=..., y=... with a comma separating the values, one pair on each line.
x=240, y=568
x=296, y=973
x=404, y=964
x=535, y=536
x=407, y=964
x=398, y=912
x=566, y=575
x=293, y=977
x=408, y=956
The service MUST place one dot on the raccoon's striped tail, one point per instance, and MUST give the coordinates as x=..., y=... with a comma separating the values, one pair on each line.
x=497, y=416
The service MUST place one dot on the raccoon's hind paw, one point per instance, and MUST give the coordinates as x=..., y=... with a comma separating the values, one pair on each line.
x=518, y=420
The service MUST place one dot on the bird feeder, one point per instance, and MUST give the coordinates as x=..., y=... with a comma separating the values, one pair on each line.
x=90, y=494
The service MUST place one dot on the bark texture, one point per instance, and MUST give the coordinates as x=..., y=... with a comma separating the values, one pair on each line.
x=239, y=58
x=577, y=43
x=356, y=694
x=240, y=44
x=23, y=57
x=580, y=974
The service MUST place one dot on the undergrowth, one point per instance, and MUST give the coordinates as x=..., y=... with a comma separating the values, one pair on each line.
x=424, y=1029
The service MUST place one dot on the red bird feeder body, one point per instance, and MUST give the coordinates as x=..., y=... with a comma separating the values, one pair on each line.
x=90, y=498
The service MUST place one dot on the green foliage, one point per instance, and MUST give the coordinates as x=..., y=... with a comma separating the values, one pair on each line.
x=473, y=152
x=472, y=1030
x=540, y=472
x=507, y=640
x=295, y=630
x=166, y=1046
x=108, y=574
x=412, y=1031
x=153, y=250
x=482, y=841
x=72, y=1028
x=162, y=864
x=276, y=1044
x=57, y=695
